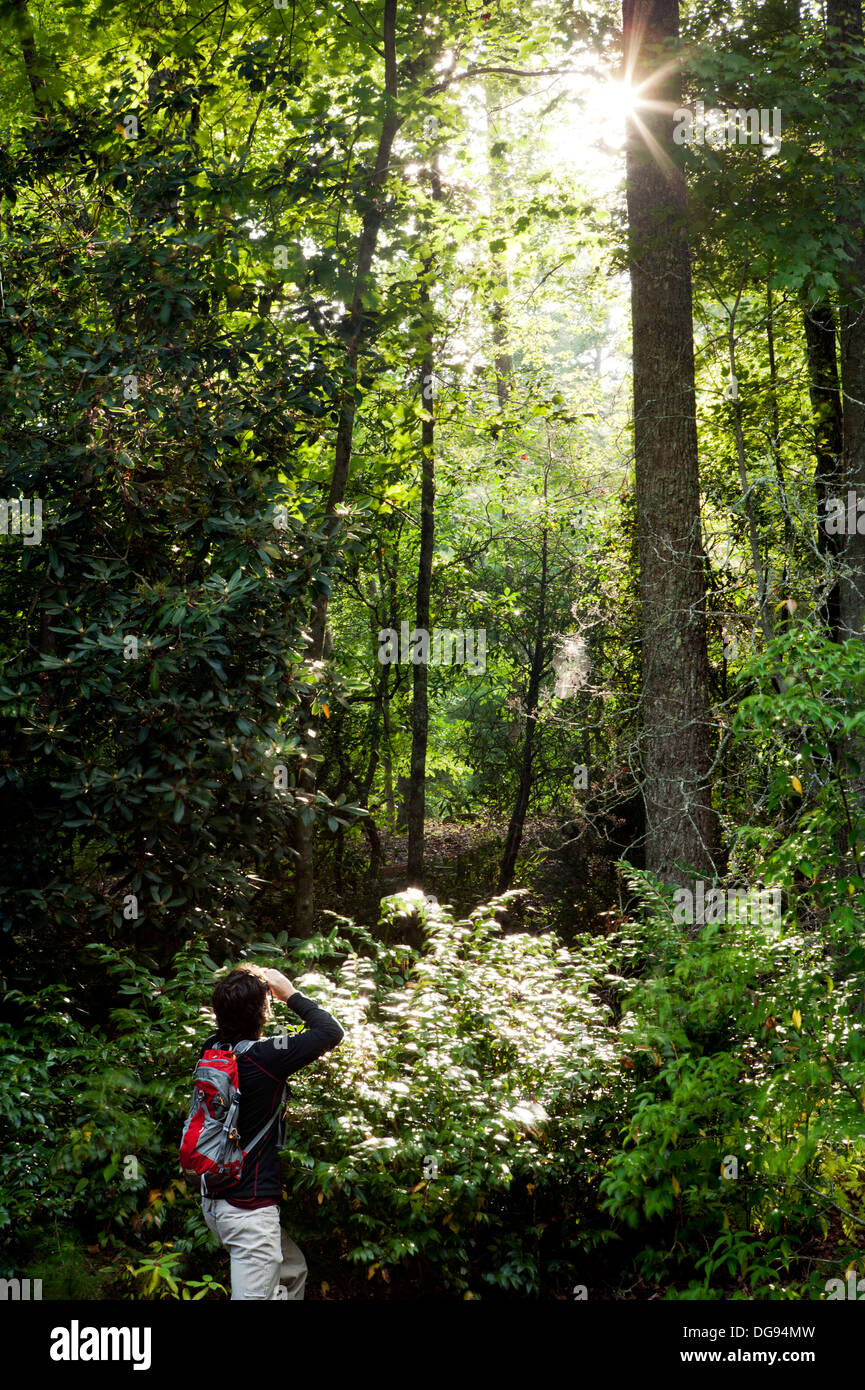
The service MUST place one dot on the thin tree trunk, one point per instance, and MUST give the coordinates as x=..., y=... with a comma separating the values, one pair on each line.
x=524, y=786
x=373, y=734
x=681, y=825
x=416, y=797
x=844, y=20
x=304, y=891
x=775, y=445
x=387, y=745
x=387, y=760
x=825, y=392
x=760, y=576
x=24, y=25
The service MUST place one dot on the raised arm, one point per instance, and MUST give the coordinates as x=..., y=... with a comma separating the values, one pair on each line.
x=321, y=1034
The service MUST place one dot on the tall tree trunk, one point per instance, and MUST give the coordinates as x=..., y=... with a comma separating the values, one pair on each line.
x=761, y=575
x=789, y=538
x=844, y=21
x=681, y=827
x=304, y=883
x=416, y=797
x=387, y=759
x=23, y=23
x=387, y=743
x=524, y=786
x=825, y=392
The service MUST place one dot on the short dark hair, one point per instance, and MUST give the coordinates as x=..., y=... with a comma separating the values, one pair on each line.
x=240, y=1005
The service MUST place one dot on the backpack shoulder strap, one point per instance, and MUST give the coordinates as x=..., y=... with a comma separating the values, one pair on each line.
x=264, y=1128
x=240, y=1048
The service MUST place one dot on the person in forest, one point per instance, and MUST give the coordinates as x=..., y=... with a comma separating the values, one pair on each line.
x=265, y=1262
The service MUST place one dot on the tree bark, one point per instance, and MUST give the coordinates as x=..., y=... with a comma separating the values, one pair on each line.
x=24, y=25
x=761, y=577
x=825, y=392
x=681, y=827
x=775, y=445
x=524, y=786
x=304, y=884
x=416, y=798
x=844, y=22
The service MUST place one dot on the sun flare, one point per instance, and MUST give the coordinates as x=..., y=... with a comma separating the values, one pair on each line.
x=613, y=102
x=590, y=126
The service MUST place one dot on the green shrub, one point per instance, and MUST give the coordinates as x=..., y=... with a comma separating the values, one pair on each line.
x=485, y=1128
x=746, y=1066
x=458, y=1125
x=453, y=1138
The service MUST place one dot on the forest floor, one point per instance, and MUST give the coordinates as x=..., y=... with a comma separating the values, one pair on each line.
x=569, y=885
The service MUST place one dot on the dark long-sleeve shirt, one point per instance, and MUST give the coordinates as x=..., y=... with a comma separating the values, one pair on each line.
x=261, y=1074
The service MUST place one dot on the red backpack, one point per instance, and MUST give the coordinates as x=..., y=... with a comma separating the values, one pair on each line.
x=210, y=1144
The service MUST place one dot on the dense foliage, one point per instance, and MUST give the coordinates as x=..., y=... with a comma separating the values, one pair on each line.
x=483, y=1126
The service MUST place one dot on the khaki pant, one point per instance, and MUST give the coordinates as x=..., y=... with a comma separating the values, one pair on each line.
x=265, y=1262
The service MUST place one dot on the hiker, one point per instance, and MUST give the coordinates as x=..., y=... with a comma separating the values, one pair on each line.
x=265, y=1262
